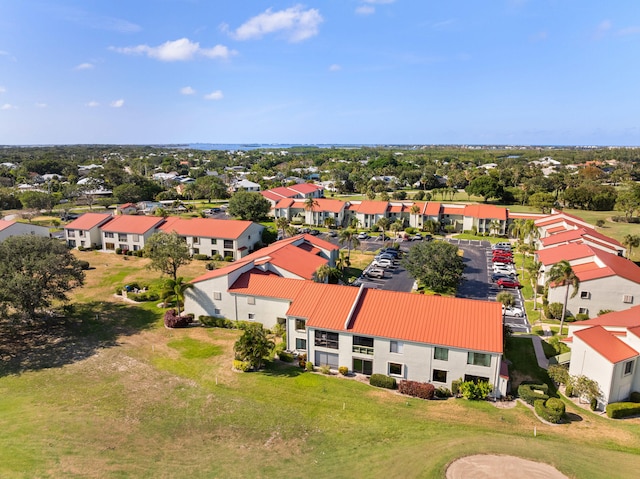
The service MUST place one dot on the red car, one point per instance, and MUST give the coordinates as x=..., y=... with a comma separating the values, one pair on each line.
x=500, y=257
x=495, y=253
x=503, y=260
x=507, y=283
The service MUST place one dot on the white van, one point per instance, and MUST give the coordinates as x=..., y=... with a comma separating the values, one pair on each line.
x=503, y=246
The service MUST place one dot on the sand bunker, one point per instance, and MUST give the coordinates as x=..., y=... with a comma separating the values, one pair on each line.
x=484, y=466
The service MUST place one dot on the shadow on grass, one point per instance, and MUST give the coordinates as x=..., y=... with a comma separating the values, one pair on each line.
x=280, y=369
x=54, y=342
x=572, y=417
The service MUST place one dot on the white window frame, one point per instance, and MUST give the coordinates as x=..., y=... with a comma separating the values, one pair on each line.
x=627, y=299
x=251, y=316
x=399, y=347
x=585, y=295
x=624, y=370
x=217, y=296
x=401, y=375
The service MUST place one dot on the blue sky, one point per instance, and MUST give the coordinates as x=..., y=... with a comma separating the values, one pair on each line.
x=326, y=71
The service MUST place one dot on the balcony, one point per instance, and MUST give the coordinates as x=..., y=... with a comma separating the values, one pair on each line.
x=363, y=350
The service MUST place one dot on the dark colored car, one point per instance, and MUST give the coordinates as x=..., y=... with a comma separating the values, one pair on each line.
x=496, y=276
x=508, y=283
x=314, y=232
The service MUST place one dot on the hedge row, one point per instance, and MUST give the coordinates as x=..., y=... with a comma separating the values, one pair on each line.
x=215, y=322
x=382, y=381
x=635, y=397
x=285, y=357
x=142, y=297
x=619, y=410
x=172, y=320
x=551, y=410
x=528, y=394
x=417, y=389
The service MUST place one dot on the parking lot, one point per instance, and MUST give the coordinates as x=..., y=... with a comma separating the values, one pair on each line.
x=477, y=282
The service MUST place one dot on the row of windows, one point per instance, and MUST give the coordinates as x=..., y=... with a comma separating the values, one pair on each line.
x=228, y=244
x=627, y=298
x=123, y=237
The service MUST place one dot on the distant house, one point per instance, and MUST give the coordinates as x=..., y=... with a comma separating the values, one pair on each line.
x=128, y=233
x=228, y=238
x=299, y=191
x=245, y=185
x=606, y=349
x=127, y=209
x=85, y=231
x=16, y=228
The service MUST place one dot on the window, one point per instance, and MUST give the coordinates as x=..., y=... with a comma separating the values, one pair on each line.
x=71, y=233
x=281, y=321
x=251, y=316
x=479, y=359
x=228, y=244
x=475, y=379
x=362, y=345
x=196, y=250
x=72, y=243
x=122, y=237
x=214, y=241
x=81, y=233
x=628, y=368
x=585, y=295
x=326, y=339
x=136, y=238
x=441, y=353
x=216, y=312
x=396, y=347
x=301, y=344
x=395, y=369
x=300, y=325
x=110, y=246
x=108, y=235
x=362, y=366
x=627, y=298
x=583, y=311
x=329, y=359
x=439, y=376
x=196, y=240
x=251, y=300
x=217, y=295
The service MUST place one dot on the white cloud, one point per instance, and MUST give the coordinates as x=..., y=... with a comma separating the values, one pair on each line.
x=92, y=104
x=177, y=50
x=41, y=105
x=365, y=10
x=295, y=23
x=84, y=66
x=187, y=90
x=214, y=95
x=335, y=67
x=117, y=103
x=602, y=29
x=8, y=106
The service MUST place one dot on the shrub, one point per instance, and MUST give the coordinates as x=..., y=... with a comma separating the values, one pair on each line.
x=172, y=320
x=243, y=366
x=308, y=365
x=285, y=357
x=325, y=369
x=200, y=257
x=551, y=410
x=455, y=386
x=634, y=397
x=118, y=250
x=210, y=266
x=443, y=392
x=343, y=370
x=382, y=381
x=228, y=259
x=475, y=391
x=568, y=391
x=554, y=310
x=582, y=317
x=528, y=392
x=559, y=374
x=593, y=404
x=619, y=410
x=129, y=252
x=411, y=230
x=302, y=361
x=217, y=257
x=417, y=389
x=118, y=290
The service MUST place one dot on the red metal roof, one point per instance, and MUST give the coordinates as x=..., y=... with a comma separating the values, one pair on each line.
x=323, y=204
x=432, y=209
x=372, y=207
x=627, y=318
x=330, y=302
x=297, y=261
x=305, y=188
x=206, y=227
x=486, y=212
x=606, y=344
x=265, y=284
x=132, y=224
x=452, y=210
x=571, y=251
x=217, y=273
x=5, y=224
x=270, y=195
x=285, y=203
x=88, y=221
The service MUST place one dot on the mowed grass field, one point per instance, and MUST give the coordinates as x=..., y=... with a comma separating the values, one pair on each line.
x=112, y=393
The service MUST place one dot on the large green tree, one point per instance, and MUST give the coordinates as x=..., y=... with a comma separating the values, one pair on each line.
x=249, y=206
x=486, y=186
x=167, y=252
x=36, y=271
x=436, y=264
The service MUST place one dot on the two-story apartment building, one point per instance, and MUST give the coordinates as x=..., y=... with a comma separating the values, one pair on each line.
x=128, y=233
x=227, y=238
x=16, y=228
x=85, y=232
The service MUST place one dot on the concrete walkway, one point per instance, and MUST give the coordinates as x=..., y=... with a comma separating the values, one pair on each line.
x=543, y=362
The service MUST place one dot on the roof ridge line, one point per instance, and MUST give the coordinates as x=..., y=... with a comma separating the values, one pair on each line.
x=356, y=301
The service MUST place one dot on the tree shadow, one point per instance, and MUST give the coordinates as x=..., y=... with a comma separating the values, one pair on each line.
x=280, y=369
x=570, y=417
x=58, y=340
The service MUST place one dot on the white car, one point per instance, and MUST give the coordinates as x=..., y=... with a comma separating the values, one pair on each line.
x=512, y=311
x=382, y=263
x=363, y=236
x=504, y=270
x=503, y=246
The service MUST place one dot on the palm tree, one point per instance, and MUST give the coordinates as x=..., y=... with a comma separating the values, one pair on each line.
x=342, y=261
x=174, y=290
x=281, y=223
x=530, y=231
x=309, y=205
x=383, y=224
x=396, y=226
x=329, y=222
x=562, y=273
x=516, y=228
x=631, y=241
x=495, y=226
x=348, y=236
x=534, y=270
x=322, y=273
x=291, y=231
x=431, y=226
x=415, y=210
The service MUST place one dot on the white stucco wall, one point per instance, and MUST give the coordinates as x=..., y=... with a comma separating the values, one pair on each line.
x=585, y=361
x=18, y=229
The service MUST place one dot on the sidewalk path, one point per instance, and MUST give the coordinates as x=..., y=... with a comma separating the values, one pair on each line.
x=543, y=362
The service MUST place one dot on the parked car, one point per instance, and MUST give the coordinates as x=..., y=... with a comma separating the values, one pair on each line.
x=508, y=283
x=502, y=255
x=375, y=273
x=392, y=251
x=496, y=276
x=502, y=245
x=504, y=270
x=512, y=311
x=388, y=256
x=416, y=237
x=383, y=263
x=314, y=232
x=363, y=236
x=332, y=234
x=502, y=260
x=428, y=237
